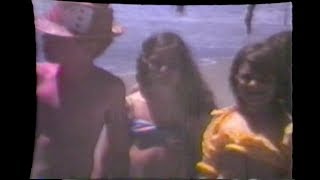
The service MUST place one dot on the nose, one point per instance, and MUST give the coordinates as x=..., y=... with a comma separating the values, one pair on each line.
x=252, y=83
x=163, y=68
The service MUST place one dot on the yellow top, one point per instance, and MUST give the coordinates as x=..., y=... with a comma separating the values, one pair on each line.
x=228, y=131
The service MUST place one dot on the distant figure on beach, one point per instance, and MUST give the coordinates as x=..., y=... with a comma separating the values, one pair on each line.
x=248, y=18
x=180, y=9
x=168, y=111
x=76, y=98
x=254, y=138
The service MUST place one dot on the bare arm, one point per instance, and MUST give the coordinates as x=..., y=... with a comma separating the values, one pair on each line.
x=44, y=115
x=100, y=153
x=111, y=156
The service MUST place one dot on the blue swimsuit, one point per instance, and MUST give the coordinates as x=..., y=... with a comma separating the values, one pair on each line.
x=146, y=134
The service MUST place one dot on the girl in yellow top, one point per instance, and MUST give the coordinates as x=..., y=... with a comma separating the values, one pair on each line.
x=253, y=138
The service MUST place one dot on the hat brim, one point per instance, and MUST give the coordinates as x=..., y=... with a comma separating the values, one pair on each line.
x=46, y=26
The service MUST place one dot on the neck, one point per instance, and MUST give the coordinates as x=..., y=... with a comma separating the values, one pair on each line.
x=71, y=74
x=164, y=106
x=272, y=116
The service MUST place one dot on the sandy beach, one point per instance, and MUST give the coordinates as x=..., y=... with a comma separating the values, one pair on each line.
x=216, y=75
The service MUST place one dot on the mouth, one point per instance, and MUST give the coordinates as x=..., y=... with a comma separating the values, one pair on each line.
x=256, y=93
x=257, y=97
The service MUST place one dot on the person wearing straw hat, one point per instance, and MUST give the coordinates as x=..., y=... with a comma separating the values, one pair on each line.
x=76, y=98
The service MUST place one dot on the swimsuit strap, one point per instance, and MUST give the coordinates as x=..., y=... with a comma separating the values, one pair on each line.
x=147, y=134
x=140, y=126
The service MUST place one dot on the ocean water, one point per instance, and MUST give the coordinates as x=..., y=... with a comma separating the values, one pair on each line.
x=212, y=32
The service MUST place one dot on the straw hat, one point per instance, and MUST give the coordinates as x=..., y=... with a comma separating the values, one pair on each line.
x=78, y=20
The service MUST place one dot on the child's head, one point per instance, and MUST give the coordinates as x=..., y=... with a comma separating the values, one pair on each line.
x=165, y=68
x=261, y=72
